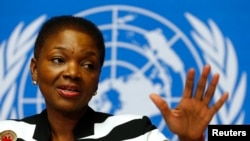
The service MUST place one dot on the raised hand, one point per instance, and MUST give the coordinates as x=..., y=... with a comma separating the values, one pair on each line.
x=193, y=113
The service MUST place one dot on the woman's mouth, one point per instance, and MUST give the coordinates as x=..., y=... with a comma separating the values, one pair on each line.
x=68, y=92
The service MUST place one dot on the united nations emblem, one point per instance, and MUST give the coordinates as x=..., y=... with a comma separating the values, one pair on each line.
x=154, y=57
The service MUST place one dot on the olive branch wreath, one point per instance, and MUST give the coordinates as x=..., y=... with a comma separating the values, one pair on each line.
x=218, y=51
x=14, y=51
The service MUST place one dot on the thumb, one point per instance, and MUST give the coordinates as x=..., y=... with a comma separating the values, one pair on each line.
x=161, y=105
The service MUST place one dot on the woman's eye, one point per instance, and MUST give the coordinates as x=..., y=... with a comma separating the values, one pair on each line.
x=89, y=66
x=58, y=60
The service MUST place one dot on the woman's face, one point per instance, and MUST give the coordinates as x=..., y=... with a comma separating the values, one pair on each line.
x=67, y=71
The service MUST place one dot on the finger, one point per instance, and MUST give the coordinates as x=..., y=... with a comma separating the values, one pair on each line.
x=202, y=82
x=215, y=108
x=189, y=84
x=211, y=89
x=161, y=105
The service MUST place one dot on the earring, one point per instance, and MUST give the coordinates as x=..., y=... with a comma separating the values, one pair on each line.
x=34, y=82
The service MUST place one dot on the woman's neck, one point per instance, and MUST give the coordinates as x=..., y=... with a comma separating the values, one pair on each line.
x=63, y=124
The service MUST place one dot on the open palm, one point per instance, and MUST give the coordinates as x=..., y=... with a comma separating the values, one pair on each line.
x=192, y=115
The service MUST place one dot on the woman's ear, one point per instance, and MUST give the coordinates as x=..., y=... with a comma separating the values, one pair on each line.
x=33, y=69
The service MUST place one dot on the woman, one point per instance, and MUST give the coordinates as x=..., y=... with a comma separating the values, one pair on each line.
x=68, y=57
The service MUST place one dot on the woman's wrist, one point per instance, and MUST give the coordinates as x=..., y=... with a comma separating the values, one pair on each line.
x=202, y=138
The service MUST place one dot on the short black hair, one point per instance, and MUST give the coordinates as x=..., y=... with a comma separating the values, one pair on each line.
x=58, y=23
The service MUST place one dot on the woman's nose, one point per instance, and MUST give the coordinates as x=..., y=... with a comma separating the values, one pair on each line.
x=72, y=70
